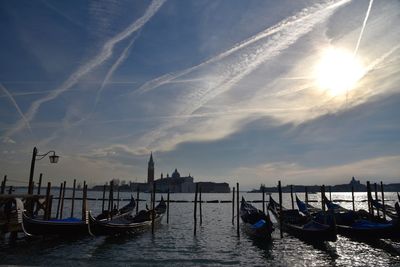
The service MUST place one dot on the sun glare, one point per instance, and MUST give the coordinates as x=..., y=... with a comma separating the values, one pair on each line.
x=338, y=71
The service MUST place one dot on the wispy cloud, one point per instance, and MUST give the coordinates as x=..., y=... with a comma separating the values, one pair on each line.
x=105, y=53
x=233, y=65
x=8, y=94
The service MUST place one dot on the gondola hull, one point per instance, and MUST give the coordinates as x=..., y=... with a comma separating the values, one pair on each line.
x=311, y=235
x=389, y=232
x=38, y=227
x=99, y=228
x=262, y=233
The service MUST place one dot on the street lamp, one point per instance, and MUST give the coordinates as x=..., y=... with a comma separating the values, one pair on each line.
x=35, y=156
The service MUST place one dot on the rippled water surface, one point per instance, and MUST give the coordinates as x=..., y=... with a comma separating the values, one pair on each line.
x=216, y=242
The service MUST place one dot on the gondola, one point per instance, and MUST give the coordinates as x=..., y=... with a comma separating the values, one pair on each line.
x=386, y=209
x=127, y=223
x=127, y=209
x=301, y=226
x=63, y=227
x=357, y=225
x=256, y=223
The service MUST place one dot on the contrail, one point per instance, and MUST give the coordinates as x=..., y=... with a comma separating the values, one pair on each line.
x=104, y=54
x=164, y=79
x=109, y=74
x=363, y=28
x=16, y=106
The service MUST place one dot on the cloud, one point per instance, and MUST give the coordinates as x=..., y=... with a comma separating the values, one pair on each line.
x=105, y=53
x=7, y=140
x=8, y=94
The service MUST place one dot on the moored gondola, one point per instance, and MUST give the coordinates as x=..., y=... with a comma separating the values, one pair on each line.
x=256, y=223
x=302, y=227
x=128, y=223
x=62, y=227
x=357, y=224
x=127, y=209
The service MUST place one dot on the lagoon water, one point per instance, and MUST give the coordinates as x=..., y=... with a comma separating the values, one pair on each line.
x=216, y=242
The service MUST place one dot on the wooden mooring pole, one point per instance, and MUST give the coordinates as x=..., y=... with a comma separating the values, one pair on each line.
x=117, y=196
x=168, y=206
x=137, y=199
x=195, y=210
x=280, y=208
x=40, y=183
x=383, y=201
x=376, y=198
x=306, y=194
x=291, y=196
x=237, y=210
x=330, y=193
x=200, y=207
x=48, y=204
x=111, y=201
x=369, y=198
x=84, y=202
x=352, y=197
x=323, y=197
x=104, y=198
x=3, y=185
x=233, y=206
x=263, y=199
x=62, y=199
x=73, y=199
x=59, y=201
x=153, y=211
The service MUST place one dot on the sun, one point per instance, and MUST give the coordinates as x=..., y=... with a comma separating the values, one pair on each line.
x=338, y=71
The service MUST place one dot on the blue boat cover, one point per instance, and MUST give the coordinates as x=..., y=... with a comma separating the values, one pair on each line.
x=364, y=224
x=259, y=224
x=71, y=219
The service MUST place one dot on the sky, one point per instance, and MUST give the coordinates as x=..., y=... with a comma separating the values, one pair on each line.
x=306, y=92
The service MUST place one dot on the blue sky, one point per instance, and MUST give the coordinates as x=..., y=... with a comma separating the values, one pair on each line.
x=224, y=90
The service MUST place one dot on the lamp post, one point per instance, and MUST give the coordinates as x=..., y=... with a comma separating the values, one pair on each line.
x=35, y=156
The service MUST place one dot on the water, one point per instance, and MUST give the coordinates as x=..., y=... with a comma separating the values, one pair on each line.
x=216, y=242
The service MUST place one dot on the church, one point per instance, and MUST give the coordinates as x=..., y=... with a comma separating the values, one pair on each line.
x=181, y=184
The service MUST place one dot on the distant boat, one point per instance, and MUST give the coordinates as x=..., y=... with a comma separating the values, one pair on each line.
x=257, y=223
x=302, y=227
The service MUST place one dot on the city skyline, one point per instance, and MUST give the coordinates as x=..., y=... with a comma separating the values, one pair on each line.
x=229, y=91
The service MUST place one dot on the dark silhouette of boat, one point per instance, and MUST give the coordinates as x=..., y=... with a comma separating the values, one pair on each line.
x=127, y=209
x=302, y=227
x=128, y=224
x=256, y=223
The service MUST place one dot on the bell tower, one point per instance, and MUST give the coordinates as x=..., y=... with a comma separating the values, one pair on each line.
x=150, y=170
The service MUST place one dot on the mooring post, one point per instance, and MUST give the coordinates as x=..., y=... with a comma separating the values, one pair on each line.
x=352, y=197
x=195, y=209
x=369, y=198
x=117, y=196
x=111, y=196
x=40, y=183
x=383, y=201
x=104, y=197
x=73, y=199
x=84, y=202
x=263, y=199
x=330, y=193
x=306, y=194
x=200, y=207
x=3, y=184
x=280, y=208
x=10, y=189
x=153, y=211
x=168, y=206
x=62, y=199
x=291, y=196
x=59, y=201
x=48, y=204
x=376, y=198
x=237, y=210
x=233, y=206
x=323, y=197
x=137, y=199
